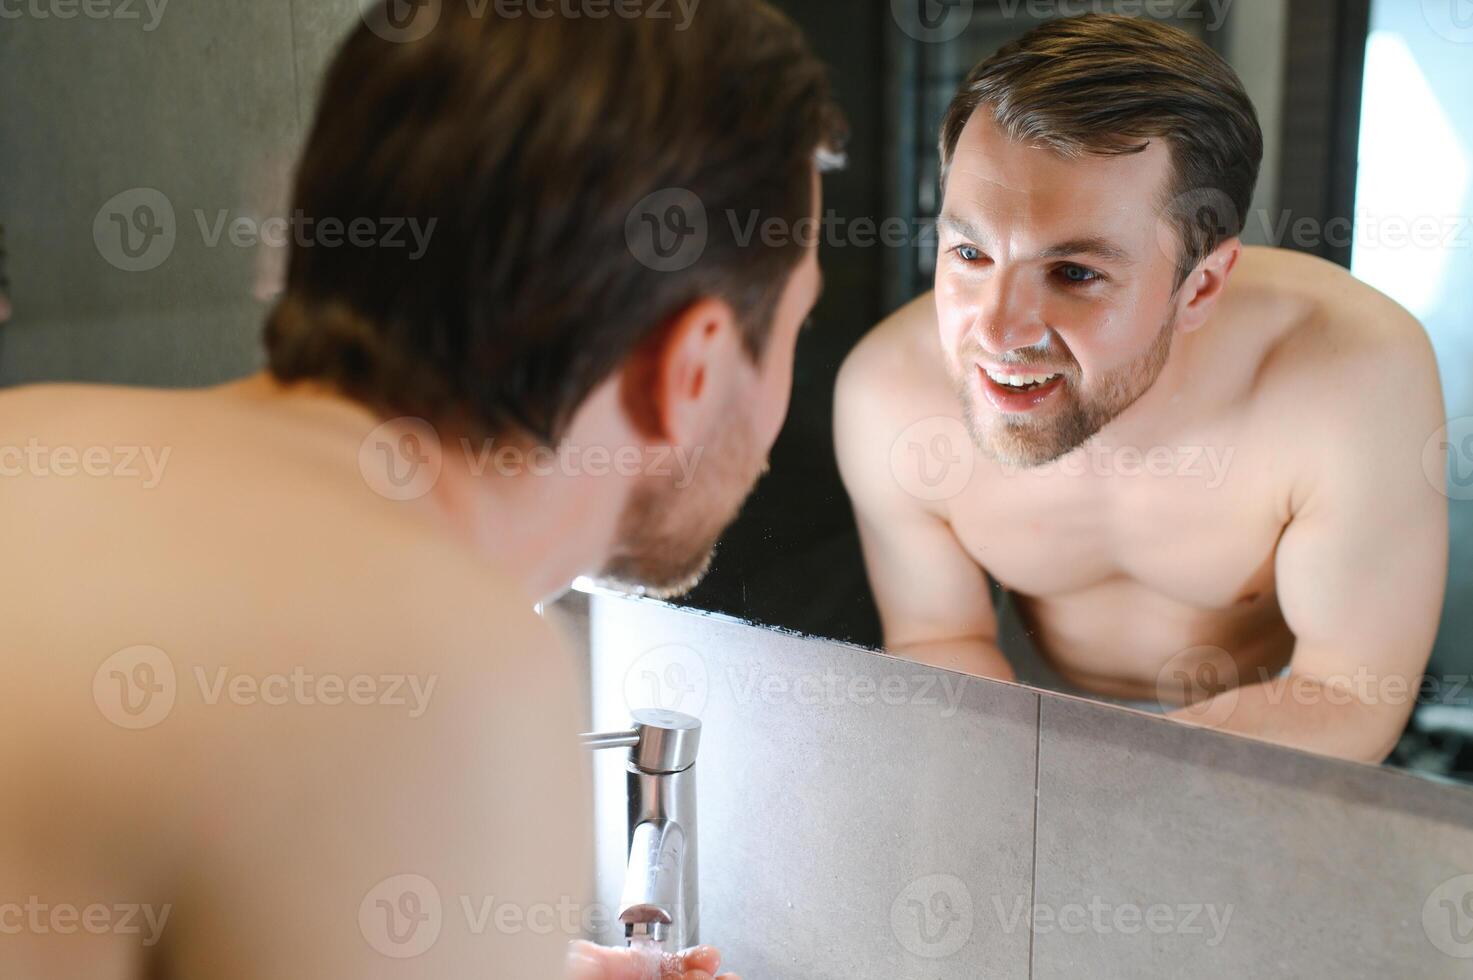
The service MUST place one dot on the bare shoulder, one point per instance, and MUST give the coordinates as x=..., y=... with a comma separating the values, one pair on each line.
x=895, y=375
x=894, y=378
x=900, y=358
x=1337, y=331
x=1343, y=364
x=66, y=398
x=277, y=676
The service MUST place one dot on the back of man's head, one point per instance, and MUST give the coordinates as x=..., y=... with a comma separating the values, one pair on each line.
x=527, y=141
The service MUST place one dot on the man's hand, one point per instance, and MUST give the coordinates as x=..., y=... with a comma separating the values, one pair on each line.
x=589, y=962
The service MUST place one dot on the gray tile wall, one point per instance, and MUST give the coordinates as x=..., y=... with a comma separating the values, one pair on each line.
x=200, y=105
x=863, y=816
x=852, y=807
x=1257, y=861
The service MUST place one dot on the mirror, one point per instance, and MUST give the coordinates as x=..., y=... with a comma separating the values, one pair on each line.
x=1165, y=562
x=1367, y=165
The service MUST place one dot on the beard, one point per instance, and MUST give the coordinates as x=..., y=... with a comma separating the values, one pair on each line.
x=1023, y=441
x=668, y=533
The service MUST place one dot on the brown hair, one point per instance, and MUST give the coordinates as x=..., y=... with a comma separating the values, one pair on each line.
x=1108, y=84
x=528, y=140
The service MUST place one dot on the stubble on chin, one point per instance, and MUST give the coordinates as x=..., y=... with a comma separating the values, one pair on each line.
x=668, y=534
x=1025, y=442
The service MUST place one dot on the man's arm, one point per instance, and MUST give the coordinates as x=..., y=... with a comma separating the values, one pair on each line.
x=933, y=599
x=1362, y=564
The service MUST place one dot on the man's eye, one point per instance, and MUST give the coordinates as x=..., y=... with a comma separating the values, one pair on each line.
x=968, y=253
x=1078, y=274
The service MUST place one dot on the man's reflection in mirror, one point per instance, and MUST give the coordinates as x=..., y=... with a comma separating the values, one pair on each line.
x=1192, y=467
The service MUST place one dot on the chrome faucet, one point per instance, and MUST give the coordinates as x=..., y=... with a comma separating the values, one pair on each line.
x=659, y=903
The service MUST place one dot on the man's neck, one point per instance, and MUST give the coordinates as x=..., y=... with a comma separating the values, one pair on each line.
x=1154, y=418
x=544, y=524
x=530, y=511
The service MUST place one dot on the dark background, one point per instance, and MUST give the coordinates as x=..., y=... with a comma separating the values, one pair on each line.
x=792, y=558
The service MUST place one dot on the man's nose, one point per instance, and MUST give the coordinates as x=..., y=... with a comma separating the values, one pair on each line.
x=1009, y=316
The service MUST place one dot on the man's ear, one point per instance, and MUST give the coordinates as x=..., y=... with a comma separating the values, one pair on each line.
x=1204, y=287
x=668, y=380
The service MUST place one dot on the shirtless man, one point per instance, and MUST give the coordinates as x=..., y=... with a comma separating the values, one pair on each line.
x=276, y=702
x=1216, y=472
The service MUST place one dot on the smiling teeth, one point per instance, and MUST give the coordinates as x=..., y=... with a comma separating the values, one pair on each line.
x=1020, y=380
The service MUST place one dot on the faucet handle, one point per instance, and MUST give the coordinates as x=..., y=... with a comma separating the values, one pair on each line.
x=609, y=740
x=668, y=741
x=661, y=741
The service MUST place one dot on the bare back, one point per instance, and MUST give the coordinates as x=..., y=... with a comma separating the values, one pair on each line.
x=255, y=716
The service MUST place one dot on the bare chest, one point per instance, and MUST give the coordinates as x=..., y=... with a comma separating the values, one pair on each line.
x=1195, y=525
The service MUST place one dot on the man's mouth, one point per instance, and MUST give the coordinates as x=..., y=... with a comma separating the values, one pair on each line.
x=1020, y=381
x=1017, y=390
